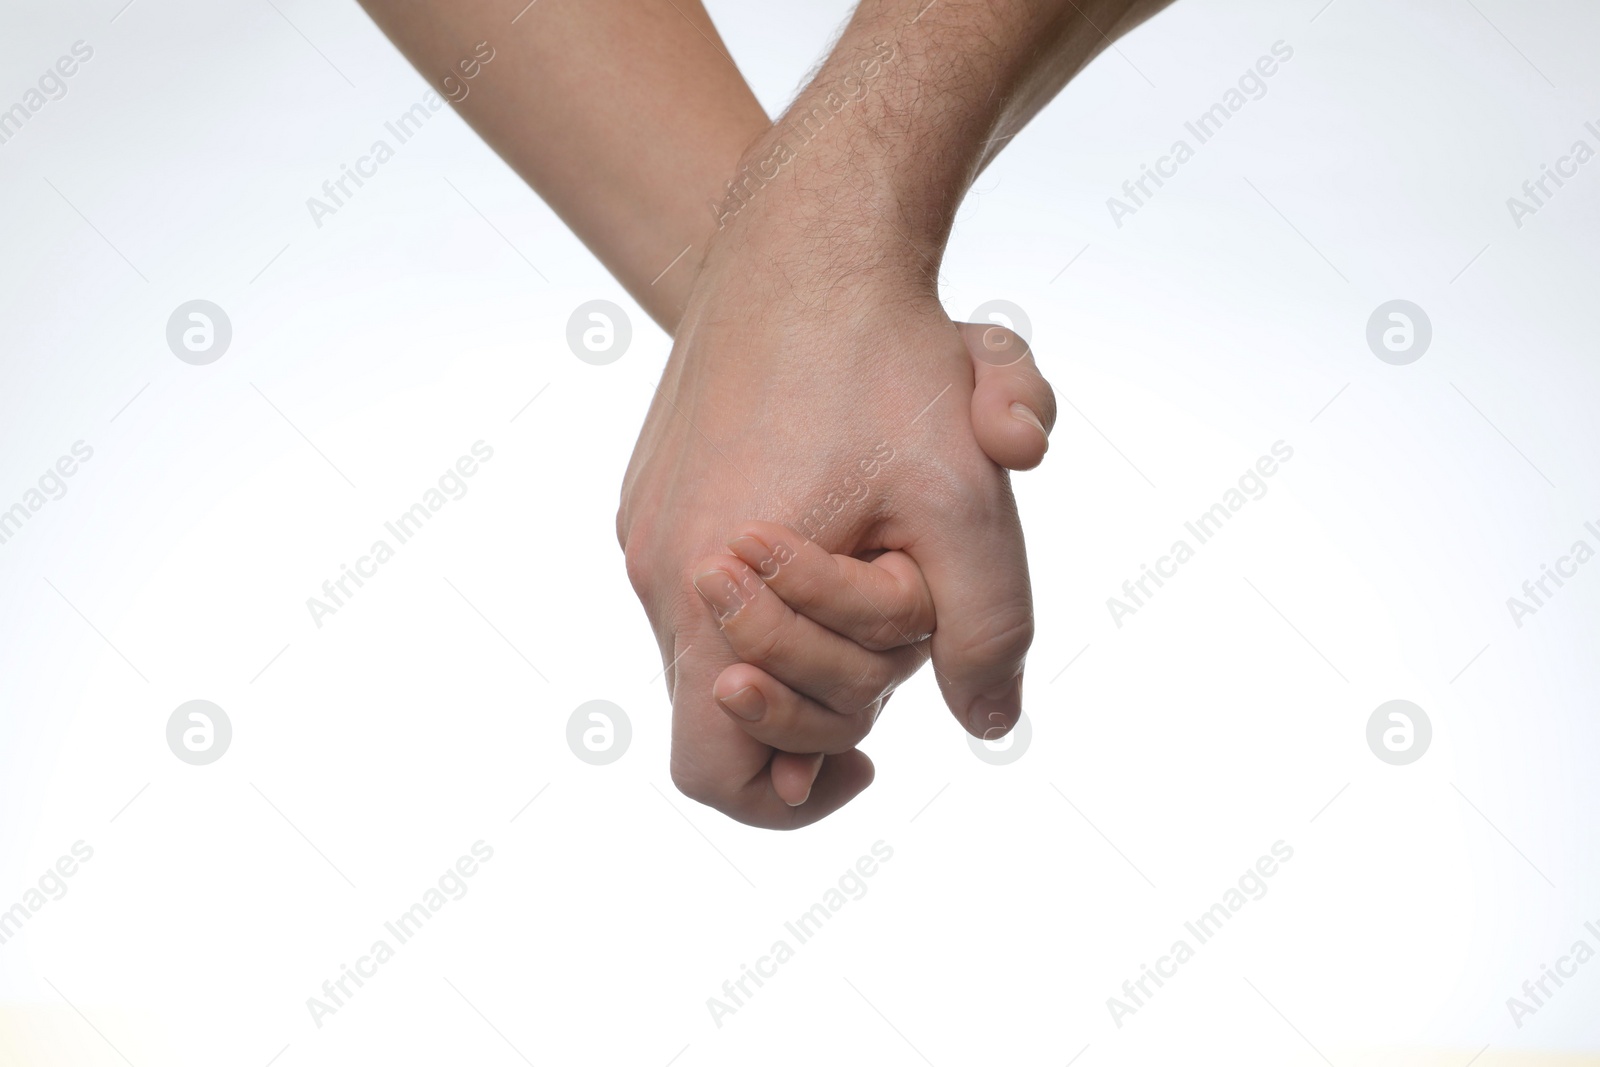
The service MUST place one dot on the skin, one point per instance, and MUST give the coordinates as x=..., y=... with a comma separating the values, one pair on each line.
x=788, y=643
x=629, y=169
x=633, y=171
x=838, y=254
x=808, y=330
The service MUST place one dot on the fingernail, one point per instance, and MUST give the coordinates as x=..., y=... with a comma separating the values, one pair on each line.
x=720, y=592
x=816, y=767
x=756, y=554
x=747, y=703
x=992, y=717
x=1023, y=413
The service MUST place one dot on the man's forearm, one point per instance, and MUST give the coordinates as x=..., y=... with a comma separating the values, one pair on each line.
x=627, y=116
x=913, y=102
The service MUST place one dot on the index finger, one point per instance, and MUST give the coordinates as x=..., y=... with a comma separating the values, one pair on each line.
x=717, y=763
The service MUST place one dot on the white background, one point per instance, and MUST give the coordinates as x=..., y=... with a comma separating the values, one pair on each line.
x=1230, y=713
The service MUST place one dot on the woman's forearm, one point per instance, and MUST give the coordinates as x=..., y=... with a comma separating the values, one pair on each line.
x=626, y=116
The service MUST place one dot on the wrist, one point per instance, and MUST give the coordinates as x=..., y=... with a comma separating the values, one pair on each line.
x=824, y=250
x=817, y=212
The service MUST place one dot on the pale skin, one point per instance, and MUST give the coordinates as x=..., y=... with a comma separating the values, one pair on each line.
x=809, y=340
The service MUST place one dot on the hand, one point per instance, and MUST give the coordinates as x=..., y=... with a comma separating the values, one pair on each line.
x=806, y=625
x=781, y=390
x=808, y=621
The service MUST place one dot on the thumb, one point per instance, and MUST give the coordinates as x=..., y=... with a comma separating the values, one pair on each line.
x=1013, y=407
x=976, y=568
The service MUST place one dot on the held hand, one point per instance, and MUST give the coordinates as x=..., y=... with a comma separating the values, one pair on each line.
x=789, y=644
x=847, y=415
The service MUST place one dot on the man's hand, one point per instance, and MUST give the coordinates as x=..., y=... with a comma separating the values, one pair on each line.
x=844, y=411
x=807, y=623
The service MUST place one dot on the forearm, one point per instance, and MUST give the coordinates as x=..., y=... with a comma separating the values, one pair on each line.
x=626, y=116
x=913, y=102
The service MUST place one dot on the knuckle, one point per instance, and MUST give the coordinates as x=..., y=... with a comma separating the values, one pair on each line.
x=1004, y=339
x=1046, y=398
x=639, y=571
x=861, y=724
x=858, y=692
x=641, y=554
x=889, y=633
x=843, y=732
x=695, y=784
x=761, y=645
x=782, y=555
x=802, y=587
x=1005, y=633
x=1001, y=344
